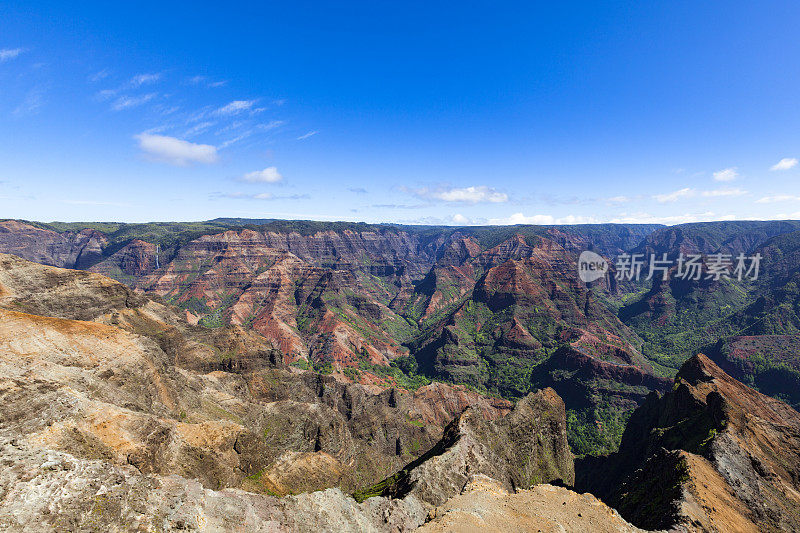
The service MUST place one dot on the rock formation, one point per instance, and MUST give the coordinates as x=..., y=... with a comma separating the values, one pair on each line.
x=710, y=455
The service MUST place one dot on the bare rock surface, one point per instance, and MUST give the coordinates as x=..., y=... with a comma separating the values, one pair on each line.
x=52, y=491
x=486, y=507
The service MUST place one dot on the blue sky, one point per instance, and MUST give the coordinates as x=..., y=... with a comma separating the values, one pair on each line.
x=413, y=112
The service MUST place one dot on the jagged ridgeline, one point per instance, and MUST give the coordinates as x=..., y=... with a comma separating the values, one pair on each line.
x=498, y=309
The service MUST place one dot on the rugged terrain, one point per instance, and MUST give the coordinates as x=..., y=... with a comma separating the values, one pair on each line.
x=392, y=305
x=710, y=455
x=250, y=377
x=119, y=415
x=498, y=309
x=119, y=376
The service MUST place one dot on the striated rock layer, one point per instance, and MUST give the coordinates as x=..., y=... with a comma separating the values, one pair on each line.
x=118, y=415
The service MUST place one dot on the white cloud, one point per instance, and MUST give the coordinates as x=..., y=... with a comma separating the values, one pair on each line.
x=106, y=94
x=777, y=198
x=576, y=219
x=727, y=174
x=259, y=196
x=646, y=218
x=143, y=79
x=236, y=107
x=519, y=218
x=785, y=164
x=547, y=220
x=127, y=102
x=786, y=216
x=7, y=54
x=268, y=175
x=724, y=192
x=674, y=196
x=472, y=195
x=460, y=219
x=307, y=135
x=618, y=199
x=176, y=151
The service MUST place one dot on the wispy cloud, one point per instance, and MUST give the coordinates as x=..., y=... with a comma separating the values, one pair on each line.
x=268, y=175
x=198, y=128
x=259, y=196
x=94, y=202
x=176, y=151
x=307, y=135
x=236, y=107
x=127, y=102
x=675, y=195
x=724, y=192
x=106, y=94
x=472, y=195
x=726, y=174
x=204, y=80
x=398, y=206
x=646, y=218
x=785, y=164
x=618, y=199
x=271, y=125
x=688, y=192
x=777, y=198
x=7, y=54
x=33, y=101
x=357, y=190
x=144, y=79
x=99, y=75
x=234, y=140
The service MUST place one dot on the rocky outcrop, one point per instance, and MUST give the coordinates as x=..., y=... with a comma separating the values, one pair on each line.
x=53, y=491
x=485, y=505
x=526, y=447
x=710, y=455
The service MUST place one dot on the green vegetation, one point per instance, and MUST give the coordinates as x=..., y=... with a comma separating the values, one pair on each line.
x=596, y=430
x=408, y=380
x=352, y=373
x=323, y=367
x=301, y=363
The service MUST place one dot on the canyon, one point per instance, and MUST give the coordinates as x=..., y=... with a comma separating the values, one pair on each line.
x=273, y=375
